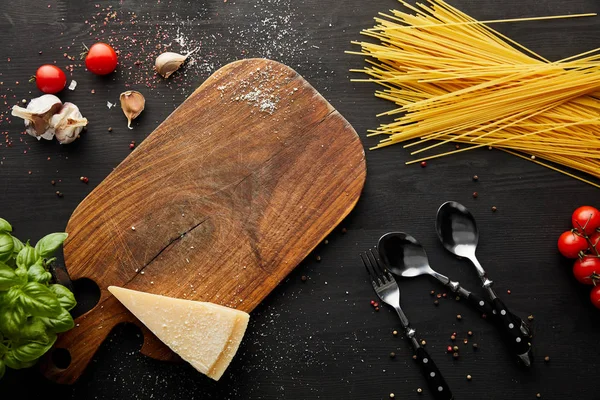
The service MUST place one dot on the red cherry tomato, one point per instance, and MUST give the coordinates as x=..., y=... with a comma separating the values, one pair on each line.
x=595, y=240
x=101, y=59
x=587, y=270
x=50, y=79
x=595, y=296
x=570, y=244
x=586, y=219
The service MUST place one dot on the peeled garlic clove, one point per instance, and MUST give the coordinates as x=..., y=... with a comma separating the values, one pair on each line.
x=168, y=62
x=133, y=104
x=37, y=115
x=68, y=123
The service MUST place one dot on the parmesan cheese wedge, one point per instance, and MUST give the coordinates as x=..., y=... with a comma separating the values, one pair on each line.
x=206, y=335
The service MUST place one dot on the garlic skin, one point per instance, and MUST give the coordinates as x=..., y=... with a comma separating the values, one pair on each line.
x=133, y=104
x=169, y=62
x=68, y=123
x=37, y=115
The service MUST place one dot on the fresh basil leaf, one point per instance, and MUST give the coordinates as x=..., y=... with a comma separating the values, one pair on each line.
x=2, y=368
x=11, y=361
x=38, y=273
x=34, y=329
x=9, y=278
x=27, y=256
x=50, y=243
x=6, y=246
x=62, y=323
x=3, y=350
x=17, y=245
x=11, y=297
x=5, y=226
x=38, y=300
x=65, y=297
x=27, y=351
x=21, y=272
x=12, y=320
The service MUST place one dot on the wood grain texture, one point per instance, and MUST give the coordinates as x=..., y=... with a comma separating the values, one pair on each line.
x=319, y=338
x=219, y=203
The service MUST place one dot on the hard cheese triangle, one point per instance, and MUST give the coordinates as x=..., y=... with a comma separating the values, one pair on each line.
x=204, y=334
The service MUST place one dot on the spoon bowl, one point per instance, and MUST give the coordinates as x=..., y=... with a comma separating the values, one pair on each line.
x=456, y=229
x=403, y=255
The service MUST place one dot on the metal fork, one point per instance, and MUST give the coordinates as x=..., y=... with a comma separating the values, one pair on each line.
x=388, y=291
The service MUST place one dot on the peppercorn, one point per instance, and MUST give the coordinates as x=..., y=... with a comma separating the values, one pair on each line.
x=435, y=302
x=469, y=377
x=414, y=356
x=475, y=194
x=432, y=293
x=444, y=295
x=494, y=208
x=419, y=390
x=439, y=296
x=455, y=355
x=392, y=354
x=455, y=348
x=423, y=342
x=453, y=337
x=318, y=258
x=423, y=164
x=475, y=346
x=373, y=302
x=84, y=179
x=459, y=317
x=475, y=178
x=303, y=278
x=376, y=308
x=392, y=395
x=59, y=194
x=110, y=128
x=344, y=230
x=530, y=318
x=53, y=182
x=547, y=359
x=131, y=145
x=508, y=291
x=376, y=304
x=449, y=349
x=465, y=341
x=538, y=395
x=470, y=333
x=395, y=333
x=457, y=298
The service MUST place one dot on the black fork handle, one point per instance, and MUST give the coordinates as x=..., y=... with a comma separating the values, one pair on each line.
x=435, y=381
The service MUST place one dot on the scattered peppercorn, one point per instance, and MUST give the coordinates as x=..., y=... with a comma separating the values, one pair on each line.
x=392, y=395
x=326, y=241
x=419, y=390
x=423, y=164
x=475, y=346
x=538, y=395
x=376, y=304
x=303, y=278
x=131, y=145
x=547, y=359
x=469, y=377
x=318, y=258
x=110, y=128
x=459, y=317
x=423, y=342
x=436, y=302
x=457, y=298
x=59, y=194
x=414, y=356
x=455, y=348
x=453, y=337
x=475, y=194
x=376, y=308
x=455, y=355
x=457, y=146
x=372, y=302
x=508, y=291
x=444, y=295
x=465, y=341
x=395, y=333
x=432, y=293
x=530, y=318
x=470, y=333
x=449, y=349
x=84, y=179
x=344, y=230
x=494, y=208
x=475, y=178
x=439, y=296
x=392, y=354
x=53, y=183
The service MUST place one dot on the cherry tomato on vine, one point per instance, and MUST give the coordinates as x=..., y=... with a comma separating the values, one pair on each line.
x=595, y=240
x=570, y=244
x=595, y=296
x=586, y=219
x=50, y=79
x=587, y=270
x=101, y=59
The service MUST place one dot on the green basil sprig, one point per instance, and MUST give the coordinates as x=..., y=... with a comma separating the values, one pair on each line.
x=33, y=309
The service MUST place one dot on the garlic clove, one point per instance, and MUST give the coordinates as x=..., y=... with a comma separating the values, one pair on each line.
x=68, y=123
x=37, y=115
x=133, y=104
x=169, y=62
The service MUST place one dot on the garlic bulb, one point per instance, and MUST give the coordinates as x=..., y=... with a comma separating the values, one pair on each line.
x=68, y=123
x=133, y=104
x=37, y=115
x=169, y=62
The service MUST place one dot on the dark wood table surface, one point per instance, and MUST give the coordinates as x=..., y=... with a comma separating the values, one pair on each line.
x=318, y=339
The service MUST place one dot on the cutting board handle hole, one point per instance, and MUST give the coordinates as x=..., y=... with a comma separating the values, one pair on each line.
x=87, y=294
x=61, y=358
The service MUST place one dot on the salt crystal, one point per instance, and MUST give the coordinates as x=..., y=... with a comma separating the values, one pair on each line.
x=73, y=85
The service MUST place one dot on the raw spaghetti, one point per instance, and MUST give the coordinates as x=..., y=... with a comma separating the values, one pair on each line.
x=457, y=80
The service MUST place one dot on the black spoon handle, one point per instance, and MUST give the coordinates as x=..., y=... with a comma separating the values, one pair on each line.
x=438, y=386
x=480, y=304
x=510, y=326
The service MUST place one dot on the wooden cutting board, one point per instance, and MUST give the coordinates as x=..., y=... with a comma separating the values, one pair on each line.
x=237, y=186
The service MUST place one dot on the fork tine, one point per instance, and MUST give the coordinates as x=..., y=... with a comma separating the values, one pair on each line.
x=379, y=271
x=366, y=263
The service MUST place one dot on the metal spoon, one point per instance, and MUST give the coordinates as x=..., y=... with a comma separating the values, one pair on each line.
x=404, y=256
x=458, y=233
